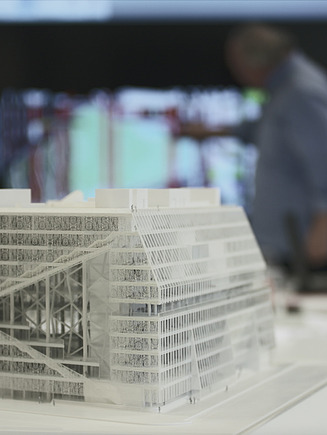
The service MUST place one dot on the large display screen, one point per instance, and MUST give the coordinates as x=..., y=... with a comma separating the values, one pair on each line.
x=158, y=10
x=127, y=139
x=55, y=10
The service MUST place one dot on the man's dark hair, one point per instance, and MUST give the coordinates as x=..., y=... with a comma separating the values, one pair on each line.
x=261, y=45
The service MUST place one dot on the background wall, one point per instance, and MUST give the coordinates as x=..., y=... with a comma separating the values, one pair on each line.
x=86, y=138
x=81, y=57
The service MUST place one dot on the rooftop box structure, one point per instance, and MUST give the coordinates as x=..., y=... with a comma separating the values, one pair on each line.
x=139, y=298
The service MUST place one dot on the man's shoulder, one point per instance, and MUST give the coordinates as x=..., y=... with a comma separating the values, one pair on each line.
x=301, y=91
x=308, y=78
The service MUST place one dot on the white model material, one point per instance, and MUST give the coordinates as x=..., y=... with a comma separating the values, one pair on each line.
x=141, y=298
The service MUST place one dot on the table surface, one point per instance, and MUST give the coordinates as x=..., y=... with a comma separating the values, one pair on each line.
x=301, y=336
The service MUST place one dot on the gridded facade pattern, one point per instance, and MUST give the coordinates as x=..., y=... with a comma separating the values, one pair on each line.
x=160, y=303
x=200, y=304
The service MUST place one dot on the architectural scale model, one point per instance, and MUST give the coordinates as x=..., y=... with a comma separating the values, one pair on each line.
x=138, y=297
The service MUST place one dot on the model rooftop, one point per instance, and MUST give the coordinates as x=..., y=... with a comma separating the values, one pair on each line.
x=123, y=200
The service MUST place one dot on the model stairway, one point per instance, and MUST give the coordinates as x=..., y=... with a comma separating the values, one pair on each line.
x=61, y=263
x=24, y=368
x=44, y=347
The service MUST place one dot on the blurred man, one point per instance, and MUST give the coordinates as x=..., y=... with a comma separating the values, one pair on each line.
x=291, y=178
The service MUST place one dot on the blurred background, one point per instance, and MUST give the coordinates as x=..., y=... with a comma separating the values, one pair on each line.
x=93, y=91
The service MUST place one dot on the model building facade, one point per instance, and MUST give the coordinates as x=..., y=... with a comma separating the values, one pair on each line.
x=141, y=297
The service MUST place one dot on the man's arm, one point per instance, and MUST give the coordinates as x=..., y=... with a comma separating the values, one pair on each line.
x=316, y=242
x=197, y=130
x=200, y=131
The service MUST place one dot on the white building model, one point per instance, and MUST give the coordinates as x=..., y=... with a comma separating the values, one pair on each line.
x=141, y=297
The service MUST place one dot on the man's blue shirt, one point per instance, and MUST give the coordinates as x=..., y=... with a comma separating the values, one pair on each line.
x=291, y=135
